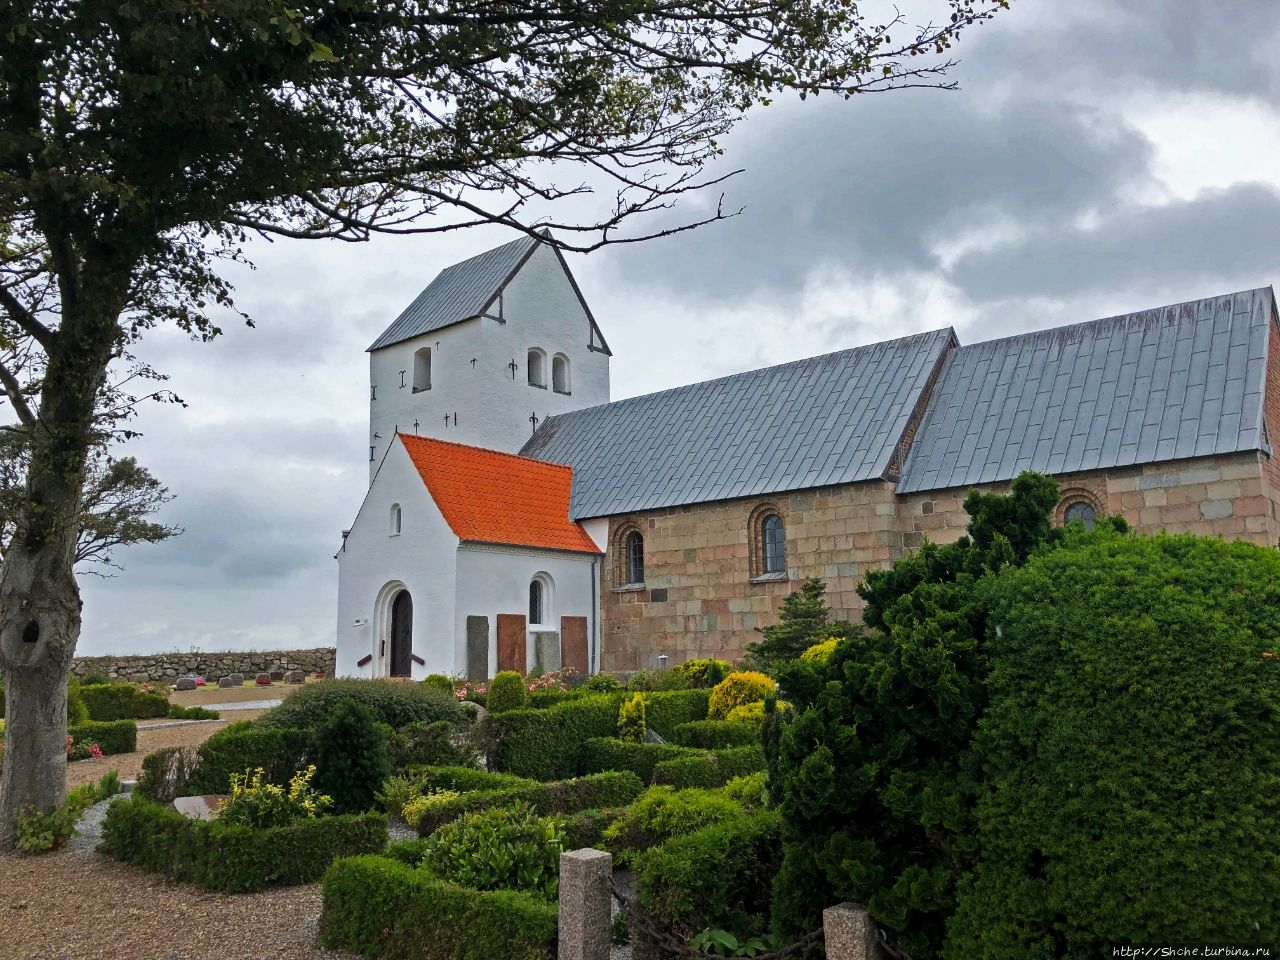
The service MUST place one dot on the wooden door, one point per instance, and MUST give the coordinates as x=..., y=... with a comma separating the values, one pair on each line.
x=401, y=634
x=574, y=654
x=511, y=643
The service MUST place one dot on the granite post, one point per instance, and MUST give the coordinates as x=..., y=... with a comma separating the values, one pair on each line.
x=850, y=933
x=585, y=902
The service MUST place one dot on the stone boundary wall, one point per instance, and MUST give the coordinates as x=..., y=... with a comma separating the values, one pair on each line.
x=165, y=666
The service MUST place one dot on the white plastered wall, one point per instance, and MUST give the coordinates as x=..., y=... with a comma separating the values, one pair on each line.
x=493, y=580
x=487, y=406
x=373, y=565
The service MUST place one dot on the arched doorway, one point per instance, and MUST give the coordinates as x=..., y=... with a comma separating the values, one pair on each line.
x=401, y=634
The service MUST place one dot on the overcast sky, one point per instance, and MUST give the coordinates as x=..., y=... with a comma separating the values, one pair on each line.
x=1100, y=157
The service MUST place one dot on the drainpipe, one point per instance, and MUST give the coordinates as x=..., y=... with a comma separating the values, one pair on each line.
x=593, y=665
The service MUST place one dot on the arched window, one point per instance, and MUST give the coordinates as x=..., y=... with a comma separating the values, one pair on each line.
x=537, y=368
x=635, y=557
x=535, y=603
x=422, y=370
x=773, y=538
x=560, y=373
x=1080, y=511
x=395, y=520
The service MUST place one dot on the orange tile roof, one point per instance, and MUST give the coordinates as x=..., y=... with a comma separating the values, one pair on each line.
x=492, y=497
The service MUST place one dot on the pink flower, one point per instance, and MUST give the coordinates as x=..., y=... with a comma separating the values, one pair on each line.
x=95, y=750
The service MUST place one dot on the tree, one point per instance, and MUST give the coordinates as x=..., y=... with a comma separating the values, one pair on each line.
x=141, y=145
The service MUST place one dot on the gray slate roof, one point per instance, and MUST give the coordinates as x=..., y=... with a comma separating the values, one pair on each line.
x=832, y=419
x=1164, y=384
x=458, y=293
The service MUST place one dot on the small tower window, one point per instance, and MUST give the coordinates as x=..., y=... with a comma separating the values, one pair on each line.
x=774, y=540
x=635, y=557
x=560, y=373
x=537, y=368
x=422, y=370
x=1081, y=512
x=395, y=520
x=535, y=603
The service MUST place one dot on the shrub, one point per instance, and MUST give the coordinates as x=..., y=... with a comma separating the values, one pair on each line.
x=752, y=714
x=500, y=849
x=737, y=689
x=632, y=727
x=408, y=851
x=710, y=734
x=257, y=803
x=506, y=692
x=803, y=620
x=396, y=792
x=1130, y=751
x=464, y=779
x=176, y=712
x=820, y=652
x=653, y=680
x=148, y=705
x=380, y=907
x=238, y=859
x=610, y=753
x=587, y=828
x=77, y=710
x=709, y=769
x=661, y=813
x=601, y=683
x=239, y=747
x=117, y=736
x=611, y=789
x=430, y=743
x=704, y=674
x=94, y=680
x=718, y=876
x=392, y=703
x=37, y=832
x=352, y=758
x=426, y=805
x=440, y=682
x=750, y=790
x=165, y=773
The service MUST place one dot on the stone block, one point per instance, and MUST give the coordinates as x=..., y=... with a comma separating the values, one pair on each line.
x=850, y=933
x=1155, y=498
x=1216, y=509
x=477, y=648
x=1224, y=490
x=546, y=650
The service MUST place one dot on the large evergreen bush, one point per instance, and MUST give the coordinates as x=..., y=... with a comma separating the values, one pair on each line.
x=1131, y=753
x=395, y=704
x=352, y=758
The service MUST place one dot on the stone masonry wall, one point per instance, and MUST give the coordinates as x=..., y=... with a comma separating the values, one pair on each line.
x=160, y=667
x=700, y=555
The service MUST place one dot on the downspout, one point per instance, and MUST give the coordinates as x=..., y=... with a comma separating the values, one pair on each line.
x=594, y=663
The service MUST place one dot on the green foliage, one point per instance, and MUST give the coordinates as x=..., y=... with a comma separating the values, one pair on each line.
x=408, y=851
x=392, y=703
x=665, y=711
x=873, y=776
x=610, y=753
x=77, y=710
x=430, y=804
x=750, y=790
x=803, y=620
x=506, y=692
x=352, y=757
x=37, y=832
x=381, y=907
x=176, y=712
x=1130, y=752
x=587, y=827
x=710, y=769
x=661, y=813
x=165, y=774
x=718, y=876
x=440, y=682
x=821, y=652
x=94, y=680
x=239, y=747
x=615, y=788
x=431, y=743
x=654, y=680
x=464, y=779
x=112, y=701
x=713, y=734
x=721, y=943
x=739, y=689
x=501, y=849
x=601, y=683
x=117, y=736
x=238, y=859
x=632, y=726
x=396, y=792
x=258, y=803
x=704, y=674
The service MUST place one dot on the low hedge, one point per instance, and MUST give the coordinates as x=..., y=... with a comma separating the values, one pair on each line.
x=586, y=829
x=709, y=769
x=239, y=747
x=715, y=734
x=547, y=744
x=610, y=789
x=382, y=907
x=392, y=702
x=610, y=753
x=464, y=779
x=176, y=712
x=216, y=856
x=114, y=736
x=720, y=876
x=123, y=701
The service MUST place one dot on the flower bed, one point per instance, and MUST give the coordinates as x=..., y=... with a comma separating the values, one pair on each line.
x=234, y=858
x=114, y=736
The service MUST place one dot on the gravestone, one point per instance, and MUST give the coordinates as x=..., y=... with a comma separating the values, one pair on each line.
x=263, y=679
x=185, y=683
x=477, y=648
x=277, y=676
x=199, y=808
x=319, y=674
x=225, y=682
x=546, y=650
x=236, y=678
x=295, y=676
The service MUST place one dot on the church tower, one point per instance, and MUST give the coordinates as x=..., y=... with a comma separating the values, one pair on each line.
x=491, y=348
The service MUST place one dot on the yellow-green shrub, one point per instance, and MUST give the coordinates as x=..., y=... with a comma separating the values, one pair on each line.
x=419, y=807
x=753, y=712
x=632, y=726
x=737, y=689
x=821, y=652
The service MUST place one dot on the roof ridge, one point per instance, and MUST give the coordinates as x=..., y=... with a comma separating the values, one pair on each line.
x=471, y=446
x=525, y=238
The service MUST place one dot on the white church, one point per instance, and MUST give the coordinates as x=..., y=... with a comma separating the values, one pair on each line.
x=462, y=559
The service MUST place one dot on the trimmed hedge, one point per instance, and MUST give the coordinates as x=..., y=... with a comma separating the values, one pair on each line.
x=115, y=736
x=720, y=876
x=236, y=859
x=610, y=753
x=611, y=789
x=464, y=779
x=395, y=704
x=715, y=734
x=381, y=907
x=123, y=701
x=547, y=744
x=240, y=747
x=176, y=712
x=586, y=829
x=710, y=769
